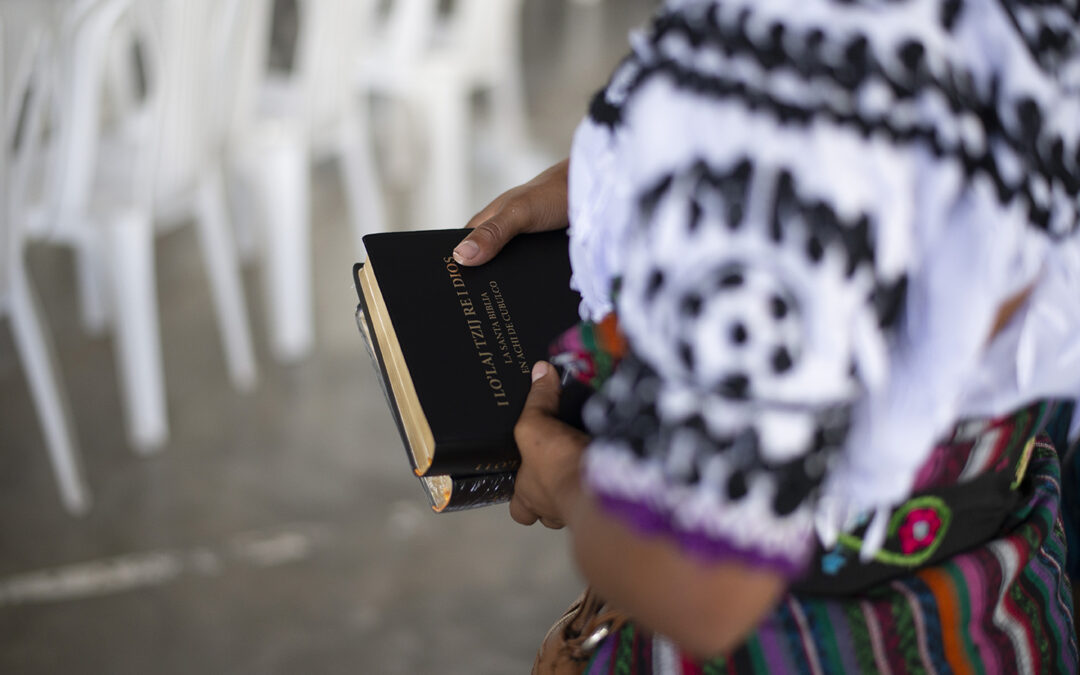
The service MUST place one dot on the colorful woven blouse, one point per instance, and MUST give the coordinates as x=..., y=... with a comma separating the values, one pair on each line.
x=806, y=215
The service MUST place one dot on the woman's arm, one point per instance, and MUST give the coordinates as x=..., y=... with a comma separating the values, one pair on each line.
x=705, y=608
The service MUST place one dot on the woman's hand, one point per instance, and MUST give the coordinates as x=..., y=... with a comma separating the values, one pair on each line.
x=536, y=206
x=547, y=482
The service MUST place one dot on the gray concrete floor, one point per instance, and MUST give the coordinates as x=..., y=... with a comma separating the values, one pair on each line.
x=279, y=531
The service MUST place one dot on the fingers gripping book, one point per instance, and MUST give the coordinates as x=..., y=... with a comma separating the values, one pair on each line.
x=453, y=347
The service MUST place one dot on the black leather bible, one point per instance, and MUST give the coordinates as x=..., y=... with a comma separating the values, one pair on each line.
x=453, y=347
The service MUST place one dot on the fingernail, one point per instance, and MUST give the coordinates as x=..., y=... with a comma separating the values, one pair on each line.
x=466, y=251
x=539, y=370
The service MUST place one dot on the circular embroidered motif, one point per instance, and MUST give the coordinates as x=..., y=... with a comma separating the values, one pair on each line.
x=918, y=530
x=919, y=526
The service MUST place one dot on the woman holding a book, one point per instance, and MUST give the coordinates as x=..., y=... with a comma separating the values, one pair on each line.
x=829, y=257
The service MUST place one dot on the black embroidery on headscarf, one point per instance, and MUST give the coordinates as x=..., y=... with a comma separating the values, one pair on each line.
x=912, y=54
x=634, y=419
x=785, y=206
x=856, y=62
x=920, y=132
x=730, y=279
x=736, y=386
x=733, y=186
x=656, y=281
x=857, y=241
x=1030, y=118
x=1049, y=45
x=603, y=112
x=686, y=355
x=781, y=360
x=695, y=215
x=772, y=49
x=824, y=227
x=738, y=334
x=652, y=196
x=888, y=300
x=814, y=250
x=823, y=224
x=736, y=485
x=954, y=84
x=778, y=307
x=691, y=305
x=950, y=12
x=792, y=489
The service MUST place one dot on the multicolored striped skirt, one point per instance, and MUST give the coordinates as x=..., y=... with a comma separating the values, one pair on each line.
x=1001, y=607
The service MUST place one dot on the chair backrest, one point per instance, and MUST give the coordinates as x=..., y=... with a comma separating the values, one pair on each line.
x=240, y=49
x=332, y=36
x=180, y=83
x=210, y=58
x=173, y=129
x=487, y=34
x=85, y=29
x=407, y=32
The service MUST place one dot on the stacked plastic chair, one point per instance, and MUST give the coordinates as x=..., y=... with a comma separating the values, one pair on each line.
x=24, y=90
x=281, y=122
x=432, y=64
x=427, y=64
x=154, y=164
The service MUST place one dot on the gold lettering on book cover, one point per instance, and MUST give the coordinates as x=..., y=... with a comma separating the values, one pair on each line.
x=475, y=326
x=502, y=323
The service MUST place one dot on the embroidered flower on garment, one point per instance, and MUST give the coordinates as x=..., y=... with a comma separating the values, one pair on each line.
x=919, y=530
x=919, y=526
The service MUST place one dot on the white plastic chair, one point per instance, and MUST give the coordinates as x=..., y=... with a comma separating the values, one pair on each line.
x=434, y=64
x=487, y=35
x=155, y=165
x=24, y=89
x=286, y=120
x=279, y=126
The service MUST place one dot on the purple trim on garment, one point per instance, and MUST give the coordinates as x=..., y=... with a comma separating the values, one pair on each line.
x=647, y=521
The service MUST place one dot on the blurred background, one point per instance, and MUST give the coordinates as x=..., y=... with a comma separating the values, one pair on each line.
x=198, y=472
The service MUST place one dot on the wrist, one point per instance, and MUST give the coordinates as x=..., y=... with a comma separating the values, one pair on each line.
x=569, y=496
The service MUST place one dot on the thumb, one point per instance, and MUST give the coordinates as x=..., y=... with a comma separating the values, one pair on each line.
x=544, y=395
x=484, y=241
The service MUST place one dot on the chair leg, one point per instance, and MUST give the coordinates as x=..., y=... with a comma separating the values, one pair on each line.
x=367, y=212
x=283, y=183
x=36, y=354
x=226, y=285
x=138, y=330
x=93, y=282
x=244, y=212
